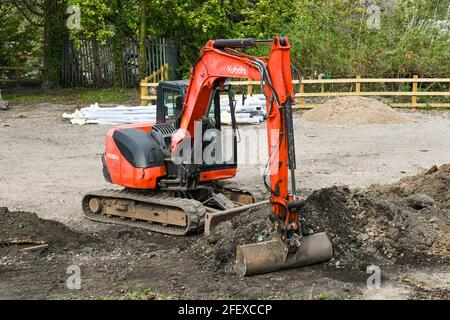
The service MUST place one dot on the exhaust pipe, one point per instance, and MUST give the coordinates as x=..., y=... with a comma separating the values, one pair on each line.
x=273, y=255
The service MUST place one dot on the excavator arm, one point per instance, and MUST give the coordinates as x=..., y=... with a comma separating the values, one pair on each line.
x=220, y=61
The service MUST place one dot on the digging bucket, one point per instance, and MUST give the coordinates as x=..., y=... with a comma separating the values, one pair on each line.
x=273, y=255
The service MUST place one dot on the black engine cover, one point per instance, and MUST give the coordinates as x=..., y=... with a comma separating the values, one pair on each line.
x=139, y=148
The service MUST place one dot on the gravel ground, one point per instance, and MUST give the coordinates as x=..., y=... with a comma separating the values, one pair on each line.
x=46, y=165
x=361, y=155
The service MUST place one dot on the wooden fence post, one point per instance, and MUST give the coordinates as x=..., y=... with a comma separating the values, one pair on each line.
x=167, y=72
x=18, y=75
x=302, y=90
x=144, y=92
x=152, y=78
x=358, y=85
x=164, y=73
x=414, y=90
x=250, y=89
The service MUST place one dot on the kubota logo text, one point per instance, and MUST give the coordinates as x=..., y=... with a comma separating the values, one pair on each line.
x=237, y=70
x=112, y=156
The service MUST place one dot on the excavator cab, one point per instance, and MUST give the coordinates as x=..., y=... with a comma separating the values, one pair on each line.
x=170, y=100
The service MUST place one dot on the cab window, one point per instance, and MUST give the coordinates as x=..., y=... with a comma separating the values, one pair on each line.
x=213, y=113
x=173, y=104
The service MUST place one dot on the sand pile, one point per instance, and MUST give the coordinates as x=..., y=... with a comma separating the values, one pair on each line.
x=355, y=110
x=25, y=228
x=403, y=223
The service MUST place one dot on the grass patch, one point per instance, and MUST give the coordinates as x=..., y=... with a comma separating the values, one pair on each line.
x=324, y=296
x=81, y=97
x=145, y=294
x=139, y=295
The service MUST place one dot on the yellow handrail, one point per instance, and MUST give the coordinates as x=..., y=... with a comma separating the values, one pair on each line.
x=161, y=74
x=414, y=93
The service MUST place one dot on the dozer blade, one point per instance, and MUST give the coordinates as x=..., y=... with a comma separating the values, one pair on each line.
x=214, y=218
x=273, y=255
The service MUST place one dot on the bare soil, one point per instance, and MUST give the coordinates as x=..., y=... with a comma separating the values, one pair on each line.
x=385, y=225
x=46, y=165
x=28, y=229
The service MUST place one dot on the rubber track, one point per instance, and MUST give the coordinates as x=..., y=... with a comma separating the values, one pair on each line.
x=195, y=212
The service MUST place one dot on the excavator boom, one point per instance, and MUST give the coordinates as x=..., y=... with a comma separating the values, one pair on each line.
x=219, y=61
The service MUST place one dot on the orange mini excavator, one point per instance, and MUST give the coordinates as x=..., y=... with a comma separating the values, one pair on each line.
x=169, y=187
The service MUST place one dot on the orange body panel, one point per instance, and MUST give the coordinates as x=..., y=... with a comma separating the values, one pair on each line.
x=207, y=176
x=122, y=172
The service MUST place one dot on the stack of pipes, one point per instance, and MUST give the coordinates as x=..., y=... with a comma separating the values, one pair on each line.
x=251, y=110
x=94, y=114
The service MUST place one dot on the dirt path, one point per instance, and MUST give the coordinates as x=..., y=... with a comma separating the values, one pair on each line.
x=46, y=165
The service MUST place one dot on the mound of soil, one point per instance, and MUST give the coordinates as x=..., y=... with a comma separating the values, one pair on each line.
x=355, y=110
x=403, y=223
x=219, y=249
x=24, y=228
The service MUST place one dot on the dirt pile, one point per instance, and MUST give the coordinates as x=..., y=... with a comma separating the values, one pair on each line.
x=434, y=182
x=218, y=250
x=355, y=110
x=403, y=223
x=25, y=228
x=367, y=228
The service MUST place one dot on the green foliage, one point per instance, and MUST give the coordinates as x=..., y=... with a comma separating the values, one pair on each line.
x=192, y=23
x=54, y=50
x=267, y=18
x=333, y=38
x=15, y=34
x=328, y=37
x=95, y=18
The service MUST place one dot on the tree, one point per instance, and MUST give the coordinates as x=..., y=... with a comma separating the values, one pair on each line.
x=143, y=64
x=47, y=15
x=192, y=23
x=334, y=38
x=327, y=37
x=15, y=33
x=105, y=21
